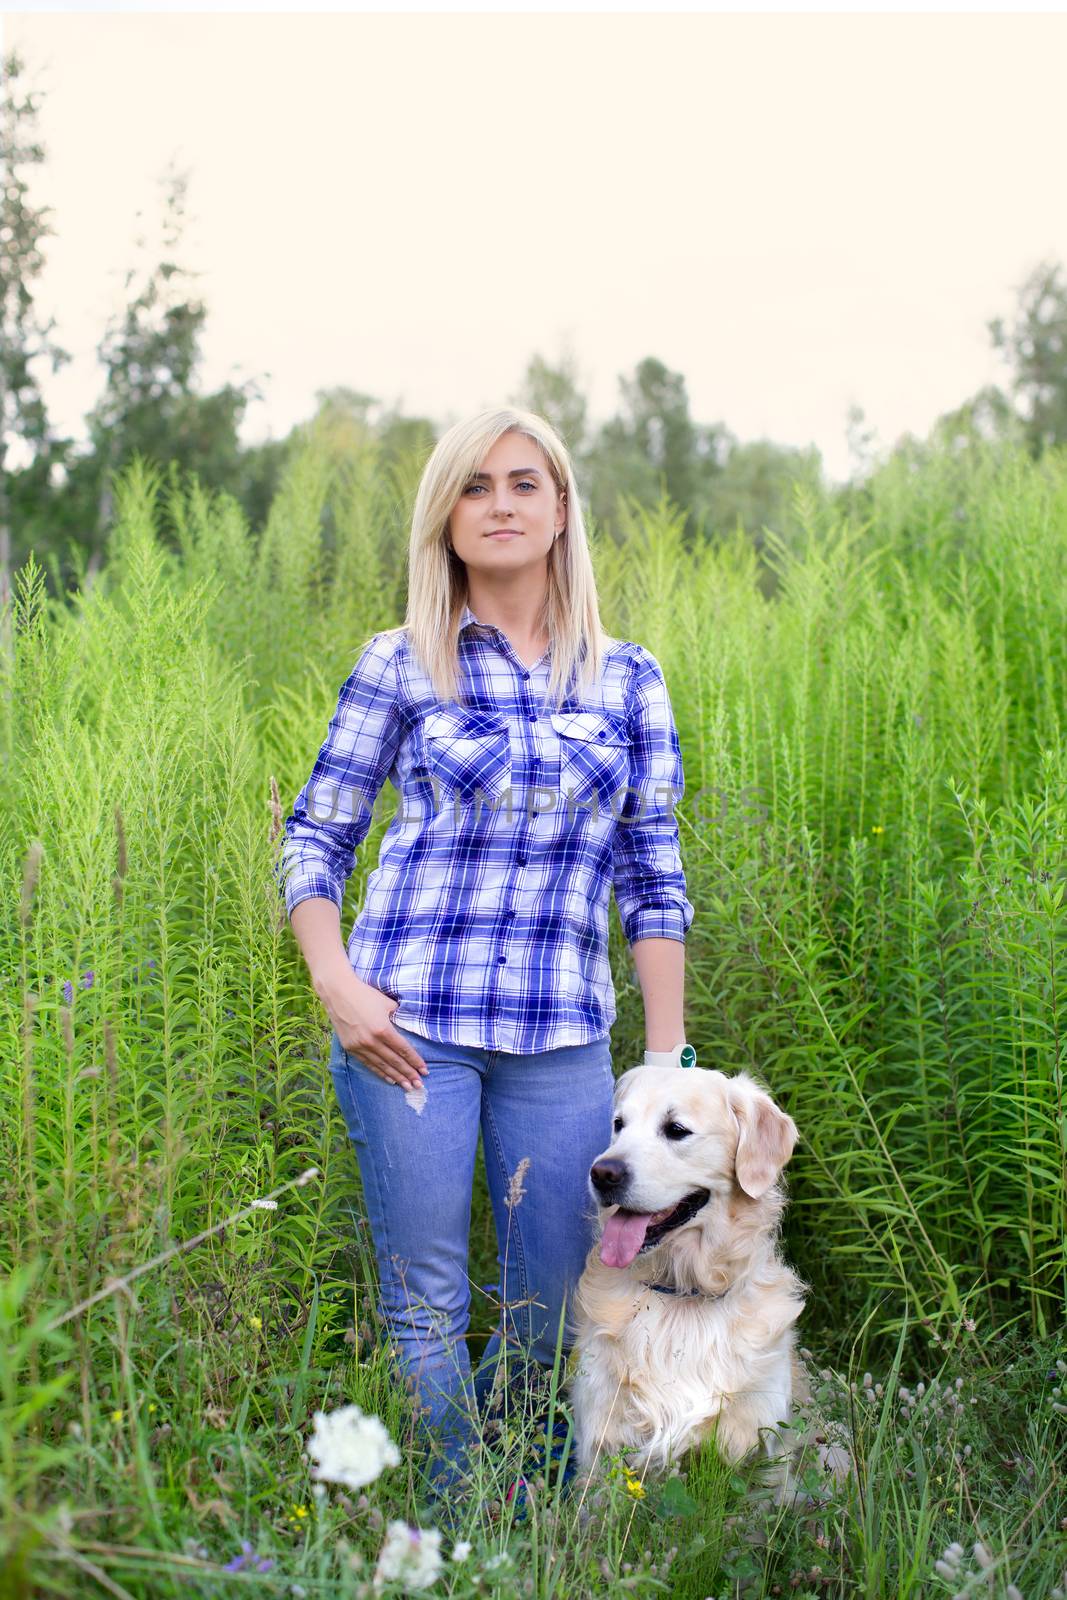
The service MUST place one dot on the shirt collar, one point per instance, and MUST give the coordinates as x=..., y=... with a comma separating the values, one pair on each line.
x=469, y=618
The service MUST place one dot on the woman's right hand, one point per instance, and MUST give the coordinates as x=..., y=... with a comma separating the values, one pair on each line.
x=361, y=1016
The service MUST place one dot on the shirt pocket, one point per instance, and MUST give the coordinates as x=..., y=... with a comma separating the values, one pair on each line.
x=594, y=763
x=465, y=751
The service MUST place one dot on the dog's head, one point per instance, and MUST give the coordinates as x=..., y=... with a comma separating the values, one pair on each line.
x=687, y=1143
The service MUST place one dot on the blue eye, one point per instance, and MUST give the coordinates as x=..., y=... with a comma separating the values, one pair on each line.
x=524, y=483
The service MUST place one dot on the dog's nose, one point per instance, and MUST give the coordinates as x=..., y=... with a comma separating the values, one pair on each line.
x=607, y=1176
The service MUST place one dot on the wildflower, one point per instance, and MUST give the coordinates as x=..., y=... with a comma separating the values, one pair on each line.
x=88, y=979
x=151, y=966
x=68, y=991
x=634, y=1487
x=248, y=1558
x=255, y=1323
x=517, y=1186
x=461, y=1550
x=350, y=1448
x=876, y=827
x=298, y=1513
x=411, y=1556
x=265, y=1205
x=116, y=1416
x=970, y=1324
x=151, y=1406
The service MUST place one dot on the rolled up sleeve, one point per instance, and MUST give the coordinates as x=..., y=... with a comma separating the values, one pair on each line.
x=332, y=813
x=649, y=882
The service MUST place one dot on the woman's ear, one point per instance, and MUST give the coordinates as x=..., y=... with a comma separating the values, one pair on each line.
x=765, y=1139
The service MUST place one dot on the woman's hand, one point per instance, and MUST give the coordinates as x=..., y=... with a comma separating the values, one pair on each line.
x=361, y=1015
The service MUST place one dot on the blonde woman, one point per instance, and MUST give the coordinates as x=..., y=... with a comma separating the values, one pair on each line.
x=537, y=765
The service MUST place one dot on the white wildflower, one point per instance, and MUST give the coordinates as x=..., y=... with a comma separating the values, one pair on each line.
x=411, y=1556
x=461, y=1550
x=350, y=1448
x=265, y=1205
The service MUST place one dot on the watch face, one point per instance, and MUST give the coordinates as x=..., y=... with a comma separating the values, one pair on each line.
x=688, y=1057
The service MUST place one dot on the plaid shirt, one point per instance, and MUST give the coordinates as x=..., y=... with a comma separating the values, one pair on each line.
x=487, y=914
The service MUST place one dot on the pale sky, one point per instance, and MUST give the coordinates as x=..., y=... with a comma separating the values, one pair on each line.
x=795, y=211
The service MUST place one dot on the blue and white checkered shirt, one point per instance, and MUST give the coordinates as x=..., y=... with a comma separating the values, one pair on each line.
x=487, y=914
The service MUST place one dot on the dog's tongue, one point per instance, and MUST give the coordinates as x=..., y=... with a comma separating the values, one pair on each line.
x=624, y=1234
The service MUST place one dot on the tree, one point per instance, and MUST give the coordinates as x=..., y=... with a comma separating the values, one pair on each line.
x=1036, y=346
x=552, y=392
x=151, y=352
x=652, y=446
x=28, y=450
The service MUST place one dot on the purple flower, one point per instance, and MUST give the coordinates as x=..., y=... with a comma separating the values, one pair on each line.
x=246, y=1558
x=151, y=966
x=239, y=1561
x=68, y=991
x=88, y=979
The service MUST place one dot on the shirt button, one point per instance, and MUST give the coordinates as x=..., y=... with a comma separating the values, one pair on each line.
x=500, y=960
x=521, y=860
x=532, y=717
x=526, y=674
x=508, y=914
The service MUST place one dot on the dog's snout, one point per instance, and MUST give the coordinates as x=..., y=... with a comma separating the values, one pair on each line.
x=607, y=1176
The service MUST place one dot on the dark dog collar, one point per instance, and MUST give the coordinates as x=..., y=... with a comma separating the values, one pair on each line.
x=667, y=1288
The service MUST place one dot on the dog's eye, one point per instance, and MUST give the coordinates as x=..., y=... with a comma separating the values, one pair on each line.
x=617, y=1125
x=674, y=1130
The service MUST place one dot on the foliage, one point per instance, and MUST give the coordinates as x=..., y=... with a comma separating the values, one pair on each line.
x=1036, y=346
x=25, y=337
x=150, y=405
x=873, y=832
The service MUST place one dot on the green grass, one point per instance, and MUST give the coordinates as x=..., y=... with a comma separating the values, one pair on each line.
x=872, y=716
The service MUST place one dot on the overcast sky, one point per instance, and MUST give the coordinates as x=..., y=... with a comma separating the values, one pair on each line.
x=796, y=212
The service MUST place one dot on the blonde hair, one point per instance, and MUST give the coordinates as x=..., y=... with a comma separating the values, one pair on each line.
x=437, y=585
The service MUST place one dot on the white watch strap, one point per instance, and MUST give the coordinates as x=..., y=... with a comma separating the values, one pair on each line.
x=671, y=1058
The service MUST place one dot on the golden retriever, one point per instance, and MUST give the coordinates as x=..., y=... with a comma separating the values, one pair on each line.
x=684, y=1314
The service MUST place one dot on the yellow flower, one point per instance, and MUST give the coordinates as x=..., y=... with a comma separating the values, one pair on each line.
x=876, y=827
x=255, y=1323
x=634, y=1486
x=116, y=1416
x=151, y=1406
x=298, y=1513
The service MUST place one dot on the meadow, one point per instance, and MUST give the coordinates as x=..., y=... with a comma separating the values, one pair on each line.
x=872, y=713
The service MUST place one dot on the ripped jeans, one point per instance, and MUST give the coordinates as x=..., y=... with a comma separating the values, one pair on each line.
x=552, y=1111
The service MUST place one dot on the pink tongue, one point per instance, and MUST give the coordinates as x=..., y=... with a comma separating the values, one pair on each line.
x=624, y=1234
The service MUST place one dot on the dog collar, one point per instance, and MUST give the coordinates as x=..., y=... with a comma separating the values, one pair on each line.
x=668, y=1288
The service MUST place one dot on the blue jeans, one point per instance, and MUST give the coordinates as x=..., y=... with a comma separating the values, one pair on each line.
x=552, y=1110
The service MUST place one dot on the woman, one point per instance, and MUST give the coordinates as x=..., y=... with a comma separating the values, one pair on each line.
x=533, y=755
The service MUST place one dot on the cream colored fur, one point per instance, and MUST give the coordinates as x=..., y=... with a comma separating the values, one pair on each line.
x=657, y=1374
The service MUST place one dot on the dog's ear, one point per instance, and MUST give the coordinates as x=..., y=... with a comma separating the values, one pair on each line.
x=766, y=1135
x=624, y=1080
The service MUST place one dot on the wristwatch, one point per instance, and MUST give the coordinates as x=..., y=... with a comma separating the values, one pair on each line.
x=683, y=1055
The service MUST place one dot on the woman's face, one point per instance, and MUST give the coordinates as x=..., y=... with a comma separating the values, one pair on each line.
x=513, y=490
